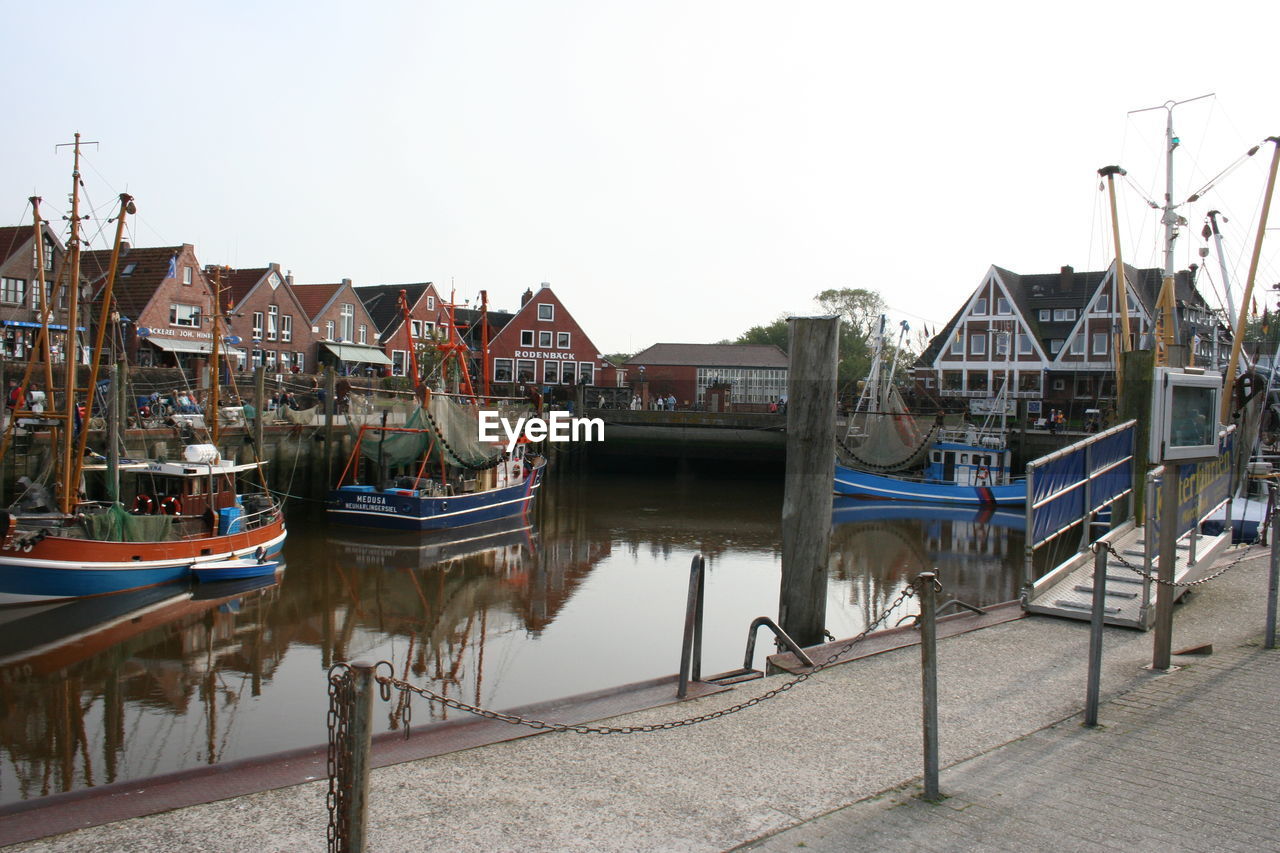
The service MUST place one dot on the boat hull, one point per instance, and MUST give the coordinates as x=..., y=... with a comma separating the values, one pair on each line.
x=63, y=567
x=231, y=570
x=861, y=484
x=403, y=509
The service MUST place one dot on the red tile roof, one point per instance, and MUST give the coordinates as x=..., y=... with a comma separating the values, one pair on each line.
x=140, y=275
x=314, y=297
x=236, y=284
x=12, y=239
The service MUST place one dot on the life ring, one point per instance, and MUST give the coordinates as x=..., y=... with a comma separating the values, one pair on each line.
x=171, y=505
x=144, y=505
x=984, y=474
x=515, y=471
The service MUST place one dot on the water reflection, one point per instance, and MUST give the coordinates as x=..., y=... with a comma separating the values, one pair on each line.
x=588, y=593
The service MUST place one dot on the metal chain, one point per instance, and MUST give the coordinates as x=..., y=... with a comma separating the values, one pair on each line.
x=403, y=686
x=341, y=700
x=1257, y=540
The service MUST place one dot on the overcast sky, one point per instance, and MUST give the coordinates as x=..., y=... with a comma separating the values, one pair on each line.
x=678, y=171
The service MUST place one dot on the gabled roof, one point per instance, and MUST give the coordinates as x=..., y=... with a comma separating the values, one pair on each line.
x=315, y=298
x=711, y=355
x=141, y=272
x=382, y=301
x=12, y=239
x=236, y=284
x=468, y=320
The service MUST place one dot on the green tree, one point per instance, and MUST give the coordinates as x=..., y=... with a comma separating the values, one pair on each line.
x=775, y=333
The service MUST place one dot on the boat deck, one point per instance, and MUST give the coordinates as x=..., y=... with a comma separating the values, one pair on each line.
x=1130, y=602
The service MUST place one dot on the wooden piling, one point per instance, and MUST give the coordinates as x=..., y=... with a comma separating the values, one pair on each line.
x=810, y=477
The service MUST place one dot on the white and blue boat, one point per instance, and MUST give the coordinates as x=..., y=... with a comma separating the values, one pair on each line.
x=433, y=474
x=957, y=473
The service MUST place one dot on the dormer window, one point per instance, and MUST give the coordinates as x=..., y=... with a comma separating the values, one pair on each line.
x=546, y=312
x=980, y=306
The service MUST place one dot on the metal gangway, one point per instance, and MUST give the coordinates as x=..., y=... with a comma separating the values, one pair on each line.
x=1074, y=492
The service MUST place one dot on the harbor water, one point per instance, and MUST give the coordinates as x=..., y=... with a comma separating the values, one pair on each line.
x=587, y=593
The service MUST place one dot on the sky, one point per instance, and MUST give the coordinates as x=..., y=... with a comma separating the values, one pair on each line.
x=677, y=171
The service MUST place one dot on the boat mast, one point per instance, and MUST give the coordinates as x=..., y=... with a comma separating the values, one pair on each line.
x=104, y=321
x=215, y=352
x=1237, y=339
x=69, y=492
x=408, y=335
x=484, y=342
x=1120, y=279
x=1211, y=229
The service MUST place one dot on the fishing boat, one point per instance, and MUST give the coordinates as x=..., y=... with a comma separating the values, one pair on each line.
x=100, y=523
x=434, y=472
x=883, y=446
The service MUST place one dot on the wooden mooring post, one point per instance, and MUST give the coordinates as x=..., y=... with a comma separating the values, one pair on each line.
x=810, y=477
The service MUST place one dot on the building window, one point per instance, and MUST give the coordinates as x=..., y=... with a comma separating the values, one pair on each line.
x=586, y=372
x=415, y=329
x=1002, y=343
x=502, y=368
x=1100, y=343
x=271, y=358
x=286, y=328
x=1084, y=386
x=48, y=255
x=186, y=275
x=566, y=372
x=1045, y=315
x=257, y=325
x=977, y=345
x=1002, y=306
x=328, y=330
x=1025, y=347
x=297, y=360
x=957, y=344
x=524, y=370
x=431, y=303
x=928, y=381
x=546, y=312
x=980, y=305
x=348, y=317
x=1104, y=302
x=13, y=290
x=1077, y=345
x=1059, y=384
x=364, y=333
x=1030, y=381
x=1064, y=315
x=1055, y=346
x=544, y=340
x=526, y=337
x=184, y=315
x=273, y=318
x=399, y=358
x=562, y=340
x=952, y=380
x=550, y=372
x=978, y=380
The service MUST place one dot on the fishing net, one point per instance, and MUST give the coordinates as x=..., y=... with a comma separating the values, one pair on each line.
x=116, y=524
x=887, y=440
x=444, y=428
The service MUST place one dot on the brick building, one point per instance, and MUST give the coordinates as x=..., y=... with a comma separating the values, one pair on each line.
x=263, y=312
x=755, y=373
x=543, y=345
x=20, y=295
x=346, y=336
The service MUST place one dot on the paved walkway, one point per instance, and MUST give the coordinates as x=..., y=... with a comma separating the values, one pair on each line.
x=1184, y=761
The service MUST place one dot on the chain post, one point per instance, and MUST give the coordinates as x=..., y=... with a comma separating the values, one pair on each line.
x=360, y=738
x=1092, y=689
x=927, y=588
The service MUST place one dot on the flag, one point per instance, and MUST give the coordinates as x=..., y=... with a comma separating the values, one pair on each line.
x=173, y=267
x=1254, y=312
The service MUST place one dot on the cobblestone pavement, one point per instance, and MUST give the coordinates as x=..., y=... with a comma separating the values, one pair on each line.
x=1188, y=761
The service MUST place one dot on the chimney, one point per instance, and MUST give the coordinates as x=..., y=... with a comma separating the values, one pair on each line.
x=528, y=294
x=1064, y=279
x=545, y=284
x=288, y=277
x=346, y=282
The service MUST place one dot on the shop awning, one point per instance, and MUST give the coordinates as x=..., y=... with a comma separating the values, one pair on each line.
x=357, y=354
x=181, y=345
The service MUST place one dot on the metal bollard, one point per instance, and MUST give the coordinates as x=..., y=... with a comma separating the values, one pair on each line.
x=1095, y=634
x=927, y=590
x=1273, y=582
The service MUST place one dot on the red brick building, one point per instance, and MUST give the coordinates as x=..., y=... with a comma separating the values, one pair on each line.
x=543, y=345
x=164, y=301
x=273, y=327
x=20, y=296
x=346, y=336
x=756, y=374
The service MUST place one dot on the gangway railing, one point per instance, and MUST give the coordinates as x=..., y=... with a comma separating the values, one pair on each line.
x=1068, y=488
x=691, y=648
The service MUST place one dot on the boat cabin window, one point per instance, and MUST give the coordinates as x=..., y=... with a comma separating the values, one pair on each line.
x=937, y=456
x=964, y=458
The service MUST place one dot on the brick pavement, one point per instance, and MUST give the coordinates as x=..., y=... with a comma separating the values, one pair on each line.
x=1187, y=761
